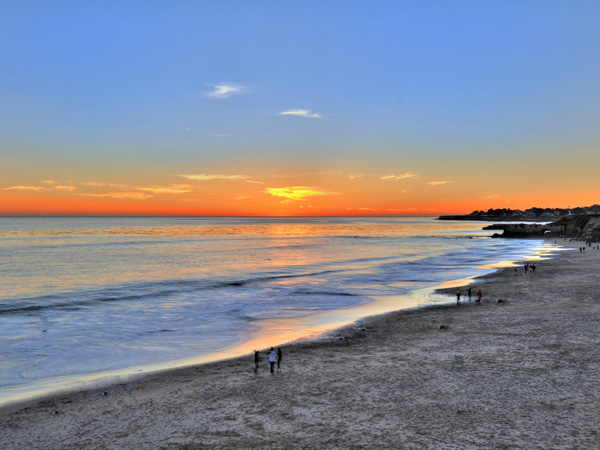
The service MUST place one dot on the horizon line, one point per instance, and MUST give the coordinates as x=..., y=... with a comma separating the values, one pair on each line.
x=223, y=215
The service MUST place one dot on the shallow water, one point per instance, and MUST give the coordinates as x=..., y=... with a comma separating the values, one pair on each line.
x=80, y=296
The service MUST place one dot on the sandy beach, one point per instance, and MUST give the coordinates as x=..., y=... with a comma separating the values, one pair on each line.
x=520, y=373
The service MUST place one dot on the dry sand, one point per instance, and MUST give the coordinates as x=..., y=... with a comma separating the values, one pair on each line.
x=524, y=373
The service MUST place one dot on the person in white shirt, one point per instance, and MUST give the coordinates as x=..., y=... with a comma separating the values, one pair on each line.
x=272, y=359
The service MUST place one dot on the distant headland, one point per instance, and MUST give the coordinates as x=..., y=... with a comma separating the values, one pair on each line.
x=529, y=215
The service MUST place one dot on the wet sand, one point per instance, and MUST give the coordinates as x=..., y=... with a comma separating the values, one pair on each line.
x=521, y=373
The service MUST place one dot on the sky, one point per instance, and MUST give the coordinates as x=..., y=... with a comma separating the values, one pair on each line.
x=284, y=108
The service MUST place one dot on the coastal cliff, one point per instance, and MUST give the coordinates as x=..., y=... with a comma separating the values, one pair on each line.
x=585, y=227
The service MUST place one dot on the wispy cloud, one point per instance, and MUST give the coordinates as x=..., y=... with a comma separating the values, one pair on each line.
x=140, y=191
x=327, y=172
x=297, y=175
x=398, y=177
x=208, y=177
x=26, y=188
x=297, y=192
x=220, y=176
x=136, y=192
x=301, y=113
x=242, y=197
x=225, y=90
x=177, y=189
x=438, y=183
x=354, y=176
x=121, y=195
x=97, y=184
x=51, y=187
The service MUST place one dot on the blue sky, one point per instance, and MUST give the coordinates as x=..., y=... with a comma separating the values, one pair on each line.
x=413, y=85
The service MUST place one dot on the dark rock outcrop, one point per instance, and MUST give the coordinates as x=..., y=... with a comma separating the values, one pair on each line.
x=520, y=230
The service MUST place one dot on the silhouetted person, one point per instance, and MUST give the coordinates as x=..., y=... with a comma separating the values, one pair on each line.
x=256, y=360
x=279, y=358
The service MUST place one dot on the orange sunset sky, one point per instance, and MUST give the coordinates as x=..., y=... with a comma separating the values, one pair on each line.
x=319, y=108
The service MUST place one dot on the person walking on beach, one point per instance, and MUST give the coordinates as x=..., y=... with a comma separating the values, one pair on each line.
x=469, y=293
x=256, y=360
x=457, y=297
x=479, y=295
x=272, y=359
x=279, y=357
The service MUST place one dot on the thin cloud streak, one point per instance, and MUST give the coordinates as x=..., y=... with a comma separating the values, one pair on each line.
x=438, y=183
x=225, y=90
x=121, y=195
x=208, y=177
x=26, y=188
x=301, y=113
x=354, y=176
x=41, y=188
x=174, y=189
x=177, y=189
x=97, y=184
x=398, y=177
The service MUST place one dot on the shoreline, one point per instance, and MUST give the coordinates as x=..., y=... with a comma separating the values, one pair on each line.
x=474, y=376
x=269, y=332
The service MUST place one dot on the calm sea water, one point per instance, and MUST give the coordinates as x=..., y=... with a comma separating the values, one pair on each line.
x=80, y=296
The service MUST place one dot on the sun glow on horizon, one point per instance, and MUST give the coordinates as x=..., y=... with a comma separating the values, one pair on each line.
x=317, y=193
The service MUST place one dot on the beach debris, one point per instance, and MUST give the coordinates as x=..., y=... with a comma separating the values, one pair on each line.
x=500, y=301
x=443, y=327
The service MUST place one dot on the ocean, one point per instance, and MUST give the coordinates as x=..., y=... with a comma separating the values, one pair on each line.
x=87, y=300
